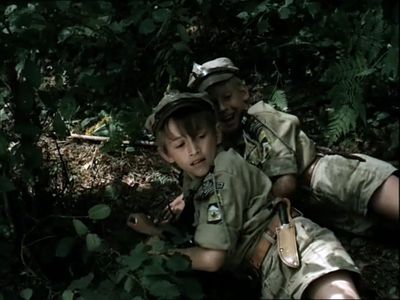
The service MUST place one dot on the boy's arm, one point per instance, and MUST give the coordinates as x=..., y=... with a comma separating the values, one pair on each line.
x=284, y=186
x=203, y=259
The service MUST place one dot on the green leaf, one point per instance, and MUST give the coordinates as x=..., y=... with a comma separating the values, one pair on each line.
x=263, y=26
x=93, y=242
x=26, y=294
x=279, y=100
x=164, y=289
x=182, y=33
x=313, y=8
x=134, y=261
x=6, y=185
x=63, y=5
x=128, y=285
x=3, y=144
x=59, y=126
x=161, y=14
x=99, y=212
x=32, y=73
x=182, y=47
x=65, y=246
x=155, y=268
x=81, y=283
x=147, y=27
x=80, y=228
x=68, y=107
x=10, y=9
x=244, y=15
x=284, y=12
x=68, y=295
x=178, y=263
x=191, y=288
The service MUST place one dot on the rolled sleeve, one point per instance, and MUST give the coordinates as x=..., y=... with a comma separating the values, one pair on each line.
x=279, y=166
x=213, y=236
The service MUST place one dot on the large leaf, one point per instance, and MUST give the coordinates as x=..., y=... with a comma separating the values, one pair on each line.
x=93, y=242
x=68, y=107
x=147, y=26
x=65, y=246
x=67, y=295
x=99, y=212
x=5, y=184
x=178, y=263
x=81, y=283
x=80, y=228
x=32, y=74
x=164, y=289
x=26, y=294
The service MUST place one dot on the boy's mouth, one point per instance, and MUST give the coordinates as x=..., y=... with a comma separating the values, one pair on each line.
x=197, y=161
x=227, y=117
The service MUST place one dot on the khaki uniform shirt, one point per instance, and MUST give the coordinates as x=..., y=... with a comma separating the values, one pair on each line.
x=231, y=206
x=274, y=143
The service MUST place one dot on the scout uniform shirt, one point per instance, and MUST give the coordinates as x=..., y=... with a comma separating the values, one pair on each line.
x=274, y=143
x=231, y=206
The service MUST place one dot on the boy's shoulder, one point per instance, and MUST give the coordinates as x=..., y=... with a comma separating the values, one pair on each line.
x=229, y=161
x=266, y=113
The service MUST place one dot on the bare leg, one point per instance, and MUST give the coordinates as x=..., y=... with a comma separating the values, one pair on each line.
x=385, y=200
x=335, y=285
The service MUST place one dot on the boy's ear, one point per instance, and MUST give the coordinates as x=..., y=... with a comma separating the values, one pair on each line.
x=219, y=133
x=165, y=155
x=246, y=94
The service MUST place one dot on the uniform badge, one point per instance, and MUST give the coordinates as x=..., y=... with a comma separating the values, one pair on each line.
x=214, y=215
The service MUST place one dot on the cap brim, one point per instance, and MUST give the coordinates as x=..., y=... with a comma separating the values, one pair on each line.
x=168, y=110
x=213, y=79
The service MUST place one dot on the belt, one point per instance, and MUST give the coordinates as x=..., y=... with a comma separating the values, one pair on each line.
x=268, y=238
x=308, y=172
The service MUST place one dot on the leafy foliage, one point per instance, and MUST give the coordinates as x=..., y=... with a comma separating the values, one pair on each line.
x=97, y=67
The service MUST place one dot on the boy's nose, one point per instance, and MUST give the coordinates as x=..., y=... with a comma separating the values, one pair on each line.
x=193, y=148
x=221, y=106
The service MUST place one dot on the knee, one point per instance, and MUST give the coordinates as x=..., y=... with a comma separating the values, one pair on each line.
x=335, y=285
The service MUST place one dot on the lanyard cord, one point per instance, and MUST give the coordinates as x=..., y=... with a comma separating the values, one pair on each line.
x=220, y=204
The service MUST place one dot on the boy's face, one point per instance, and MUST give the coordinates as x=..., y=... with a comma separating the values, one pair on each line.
x=194, y=155
x=231, y=103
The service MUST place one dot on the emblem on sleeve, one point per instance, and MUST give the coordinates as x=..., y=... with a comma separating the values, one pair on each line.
x=214, y=215
x=208, y=188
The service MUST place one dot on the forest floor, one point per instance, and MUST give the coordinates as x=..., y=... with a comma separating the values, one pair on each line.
x=139, y=181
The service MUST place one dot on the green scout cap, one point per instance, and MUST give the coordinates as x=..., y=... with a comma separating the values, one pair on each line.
x=172, y=102
x=211, y=72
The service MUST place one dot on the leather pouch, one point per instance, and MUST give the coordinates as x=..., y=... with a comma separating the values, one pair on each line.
x=287, y=245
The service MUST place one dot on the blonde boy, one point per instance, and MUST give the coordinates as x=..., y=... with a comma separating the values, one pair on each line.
x=236, y=224
x=347, y=191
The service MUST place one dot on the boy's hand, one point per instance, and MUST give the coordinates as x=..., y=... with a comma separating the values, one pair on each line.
x=173, y=210
x=143, y=224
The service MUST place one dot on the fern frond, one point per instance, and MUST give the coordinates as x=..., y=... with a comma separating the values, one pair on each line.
x=279, y=100
x=347, y=68
x=371, y=34
x=342, y=121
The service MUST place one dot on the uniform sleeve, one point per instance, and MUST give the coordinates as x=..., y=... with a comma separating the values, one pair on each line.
x=282, y=132
x=220, y=215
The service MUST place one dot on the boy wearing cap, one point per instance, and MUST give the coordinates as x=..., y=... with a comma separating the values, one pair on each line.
x=236, y=224
x=347, y=191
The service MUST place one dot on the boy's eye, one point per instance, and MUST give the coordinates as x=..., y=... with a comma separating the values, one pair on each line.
x=227, y=96
x=179, y=145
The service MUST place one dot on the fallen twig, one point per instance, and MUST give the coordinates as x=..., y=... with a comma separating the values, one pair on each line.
x=95, y=138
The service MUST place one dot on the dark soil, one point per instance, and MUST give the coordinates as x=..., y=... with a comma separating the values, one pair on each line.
x=141, y=182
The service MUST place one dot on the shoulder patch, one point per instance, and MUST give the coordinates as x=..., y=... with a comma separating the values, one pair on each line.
x=207, y=188
x=214, y=214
